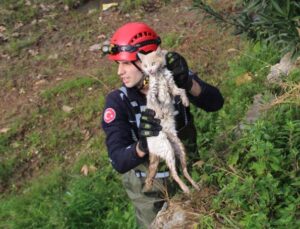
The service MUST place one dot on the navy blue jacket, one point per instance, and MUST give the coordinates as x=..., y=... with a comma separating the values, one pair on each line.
x=122, y=112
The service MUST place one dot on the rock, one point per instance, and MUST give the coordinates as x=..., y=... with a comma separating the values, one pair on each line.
x=22, y=91
x=92, y=11
x=41, y=82
x=18, y=25
x=69, y=44
x=33, y=52
x=3, y=38
x=174, y=215
x=66, y=8
x=101, y=36
x=4, y=130
x=281, y=69
x=2, y=28
x=33, y=22
x=67, y=109
x=53, y=56
x=95, y=47
x=5, y=56
x=27, y=3
x=16, y=35
x=84, y=170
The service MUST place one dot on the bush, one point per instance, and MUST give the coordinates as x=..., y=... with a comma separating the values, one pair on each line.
x=258, y=171
x=275, y=22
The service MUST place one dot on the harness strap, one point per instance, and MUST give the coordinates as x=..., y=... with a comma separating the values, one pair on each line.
x=140, y=174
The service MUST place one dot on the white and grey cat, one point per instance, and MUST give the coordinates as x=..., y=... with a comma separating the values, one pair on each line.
x=160, y=96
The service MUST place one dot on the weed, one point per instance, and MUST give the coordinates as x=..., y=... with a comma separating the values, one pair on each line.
x=17, y=45
x=67, y=86
x=171, y=40
x=256, y=170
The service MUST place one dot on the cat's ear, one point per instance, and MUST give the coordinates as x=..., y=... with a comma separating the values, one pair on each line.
x=158, y=50
x=164, y=52
x=140, y=56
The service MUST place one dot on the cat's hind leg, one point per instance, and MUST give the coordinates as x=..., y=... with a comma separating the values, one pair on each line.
x=180, y=153
x=153, y=165
x=171, y=164
x=161, y=146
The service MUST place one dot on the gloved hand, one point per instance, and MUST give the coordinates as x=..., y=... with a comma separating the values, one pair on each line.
x=178, y=66
x=149, y=126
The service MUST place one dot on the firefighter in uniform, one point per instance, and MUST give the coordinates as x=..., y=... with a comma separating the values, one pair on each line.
x=127, y=123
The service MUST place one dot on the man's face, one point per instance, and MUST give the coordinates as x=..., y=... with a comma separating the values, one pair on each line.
x=129, y=74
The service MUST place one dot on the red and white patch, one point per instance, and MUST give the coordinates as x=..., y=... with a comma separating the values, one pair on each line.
x=109, y=115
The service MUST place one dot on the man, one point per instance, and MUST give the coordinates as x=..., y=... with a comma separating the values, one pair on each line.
x=127, y=123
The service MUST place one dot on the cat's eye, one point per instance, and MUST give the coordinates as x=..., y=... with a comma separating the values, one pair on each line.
x=145, y=65
x=153, y=63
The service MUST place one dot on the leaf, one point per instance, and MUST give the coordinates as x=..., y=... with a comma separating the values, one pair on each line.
x=84, y=170
x=277, y=7
x=4, y=130
x=245, y=78
x=198, y=164
x=275, y=167
x=259, y=167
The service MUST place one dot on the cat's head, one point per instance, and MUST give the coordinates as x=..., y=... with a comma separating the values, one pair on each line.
x=153, y=61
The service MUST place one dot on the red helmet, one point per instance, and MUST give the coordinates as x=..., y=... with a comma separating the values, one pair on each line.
x=131, y=38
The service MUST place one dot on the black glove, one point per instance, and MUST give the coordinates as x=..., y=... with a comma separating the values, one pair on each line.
x=149, y=126
x=180, y=70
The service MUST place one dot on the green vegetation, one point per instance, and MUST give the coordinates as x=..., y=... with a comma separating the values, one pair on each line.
x=256, y=171
x=54, y=169
x=274, y=22
x=171, y=40
x=256, y=168
x=127, y=5
x=64, y=199
x=79, y=83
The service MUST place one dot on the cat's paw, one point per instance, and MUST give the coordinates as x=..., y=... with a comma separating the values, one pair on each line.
x=185, y=101
x=159, y=114
x=148, y=188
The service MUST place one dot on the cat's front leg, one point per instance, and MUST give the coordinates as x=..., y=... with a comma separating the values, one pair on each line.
x=153, y=98
x=182, y=94
x=174, y=90
x=184, y=98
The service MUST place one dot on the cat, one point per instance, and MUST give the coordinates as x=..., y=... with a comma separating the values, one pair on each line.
x=160, y=95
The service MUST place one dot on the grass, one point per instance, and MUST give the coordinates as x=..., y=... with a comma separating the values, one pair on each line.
x=244, y=164
x=59, y=196
x=66, y=199
x=78, y=83
x=171, y=40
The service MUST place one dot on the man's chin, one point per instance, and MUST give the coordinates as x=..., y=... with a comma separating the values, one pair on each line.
x=129, y=85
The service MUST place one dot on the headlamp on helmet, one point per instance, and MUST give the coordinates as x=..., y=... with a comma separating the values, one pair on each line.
x=114, y=49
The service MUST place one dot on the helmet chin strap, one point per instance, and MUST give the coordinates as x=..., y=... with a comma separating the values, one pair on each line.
x=144, y=80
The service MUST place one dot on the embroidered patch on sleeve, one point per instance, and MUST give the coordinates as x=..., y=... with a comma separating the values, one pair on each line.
x=109, y=115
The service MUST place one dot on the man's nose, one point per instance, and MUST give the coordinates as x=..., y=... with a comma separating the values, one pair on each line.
x=120, y=70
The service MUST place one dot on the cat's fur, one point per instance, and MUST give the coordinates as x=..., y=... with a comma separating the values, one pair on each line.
x=162, y=90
